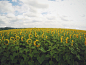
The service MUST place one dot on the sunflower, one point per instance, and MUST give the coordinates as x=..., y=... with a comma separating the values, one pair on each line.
x=30, y=35
x=67, y=40
x=11, y=38
x=70, y=36
x=84, y=33
x=35, y=43
x=61, y=38
x=1, y=34
x=64, y=34
x=17, y=37
x=6, y=40
x=46, y=37
x=42, y=35
x=22, y=38
x=72, y=43
x=28, y=40
x=80, y=37
x=20, y=33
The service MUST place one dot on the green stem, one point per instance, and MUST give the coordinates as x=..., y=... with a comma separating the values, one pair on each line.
x=30, y=53
x=51, y=51
x=73, y=62
x=51, y=58
x=44, y=42
x=26, y=53
x=18, y=55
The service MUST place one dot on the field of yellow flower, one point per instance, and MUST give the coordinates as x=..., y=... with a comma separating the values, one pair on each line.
x=42, y=46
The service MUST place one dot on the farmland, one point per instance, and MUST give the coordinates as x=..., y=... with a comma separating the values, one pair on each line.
x=43, y=46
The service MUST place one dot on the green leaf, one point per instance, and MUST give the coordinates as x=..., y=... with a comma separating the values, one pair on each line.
x=13, y=49
x=30, y=45
x=3, y=59
x=22, y=62
x=51, y=62
x=54, y=40
x=58, y=45
x=9, y=48
x=78, y=56
x=20, y=51
x=35, y=51
x=15, y=54
x=24, y=56
x=57, y=57
x=54, y=51
x=42, y=49
x=50, y=46
x=16, y=47
x=54, y=47
x=33, y=47
x=74, y=51
x=14, y=61
x=47, y=55
x=7, y=54
x=23, y=44
x=1, y=51
x=31, y=55
x=47, y=63
x=12, y=57
x=51, y=53
x=12, y=45
x=27, y=46
x=46, y=44
x=4, y=46
x=41, y=59
x=31, y=63
x=49, y=49
x=26, y=50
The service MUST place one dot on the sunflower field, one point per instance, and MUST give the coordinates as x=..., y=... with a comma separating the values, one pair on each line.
x=42, y=46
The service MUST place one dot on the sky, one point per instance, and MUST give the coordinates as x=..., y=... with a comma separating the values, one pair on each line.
x=43, y=14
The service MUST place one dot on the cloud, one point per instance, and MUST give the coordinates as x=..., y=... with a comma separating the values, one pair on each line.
x=10, y=15
x=20, y=17
x=24, y=8
x=51, y=0
x=44, y=13
x=30, y=14
x=83, y=15
x=32, y=10
x=14, y=0
x=62, y=18
x=34, y=3
x=51, y=18
x=6, y=7
x=21, y=9
x=62, y=0
x=3, y=19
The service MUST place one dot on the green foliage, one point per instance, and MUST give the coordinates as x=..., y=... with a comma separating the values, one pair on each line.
x=50, y=52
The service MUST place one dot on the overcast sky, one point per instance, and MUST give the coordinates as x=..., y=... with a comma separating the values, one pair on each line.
x=43, y=14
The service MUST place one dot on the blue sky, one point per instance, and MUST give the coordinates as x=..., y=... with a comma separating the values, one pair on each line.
x=43, y=14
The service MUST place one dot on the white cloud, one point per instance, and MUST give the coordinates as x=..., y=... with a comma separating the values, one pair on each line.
x=29, y=14
x=10, y=15
x=14, y=0
x=34, y=3
x=20, y=17
x=6, y=7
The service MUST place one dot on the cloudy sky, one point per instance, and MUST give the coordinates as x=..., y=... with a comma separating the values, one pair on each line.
x=43, y=14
